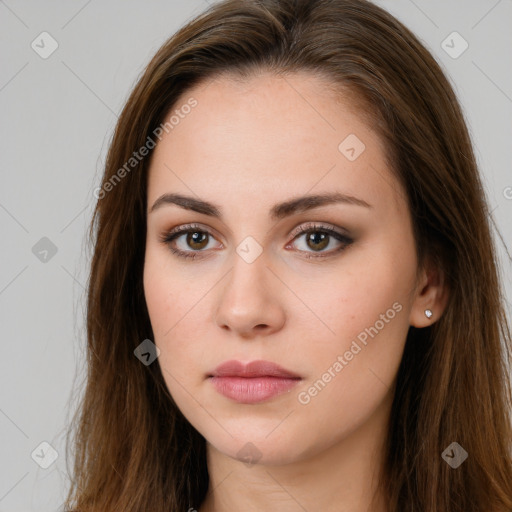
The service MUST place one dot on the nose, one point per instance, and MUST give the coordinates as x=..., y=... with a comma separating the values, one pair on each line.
x=249, y=303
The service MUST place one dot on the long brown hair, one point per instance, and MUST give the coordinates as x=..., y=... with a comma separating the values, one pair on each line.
x=133, y=449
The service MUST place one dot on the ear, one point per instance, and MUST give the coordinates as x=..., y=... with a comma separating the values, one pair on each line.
x=431, y=293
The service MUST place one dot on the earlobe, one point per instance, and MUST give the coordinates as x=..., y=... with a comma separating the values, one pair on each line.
x=423, y=318
x=431, y=300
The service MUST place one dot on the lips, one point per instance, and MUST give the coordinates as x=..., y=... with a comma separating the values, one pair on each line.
x=254, y=382
x=252, y=369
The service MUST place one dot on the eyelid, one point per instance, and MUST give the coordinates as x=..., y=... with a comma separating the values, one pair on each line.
x=298, y=230
x=184, y=228
x=320, y=226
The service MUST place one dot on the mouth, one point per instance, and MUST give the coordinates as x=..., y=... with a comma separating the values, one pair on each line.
x=255, y=382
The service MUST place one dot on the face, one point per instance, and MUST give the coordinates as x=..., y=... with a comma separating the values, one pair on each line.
x=322, y=289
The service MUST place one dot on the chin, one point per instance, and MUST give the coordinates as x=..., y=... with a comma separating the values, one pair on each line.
x=256, y=446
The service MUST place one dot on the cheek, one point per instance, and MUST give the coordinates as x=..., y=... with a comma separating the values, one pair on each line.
x=170, y=293
x=161, y=291
x=365, y=306
x=175, y=302
x=352, y=296
x=353, y=374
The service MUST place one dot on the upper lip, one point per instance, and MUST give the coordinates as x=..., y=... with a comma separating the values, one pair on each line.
x=258, y=368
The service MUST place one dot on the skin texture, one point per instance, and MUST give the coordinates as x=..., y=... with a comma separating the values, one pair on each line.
x=246, y=146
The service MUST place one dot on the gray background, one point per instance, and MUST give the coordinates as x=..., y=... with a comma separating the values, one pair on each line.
x=58, y=115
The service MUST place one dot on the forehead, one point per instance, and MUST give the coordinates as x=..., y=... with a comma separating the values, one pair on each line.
x=268, y=136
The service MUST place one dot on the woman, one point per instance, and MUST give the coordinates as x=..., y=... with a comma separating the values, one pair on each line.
x=293, y=299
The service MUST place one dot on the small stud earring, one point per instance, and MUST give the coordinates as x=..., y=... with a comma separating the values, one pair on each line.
x=428, y=313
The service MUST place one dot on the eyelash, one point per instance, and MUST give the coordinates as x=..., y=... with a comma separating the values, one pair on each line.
x=170, y=236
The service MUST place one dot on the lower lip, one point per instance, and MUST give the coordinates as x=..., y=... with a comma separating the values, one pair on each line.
x=254, y=389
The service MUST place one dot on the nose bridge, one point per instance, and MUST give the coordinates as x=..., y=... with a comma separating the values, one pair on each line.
x=248, y=298
x=249, y=275
x=249, y=257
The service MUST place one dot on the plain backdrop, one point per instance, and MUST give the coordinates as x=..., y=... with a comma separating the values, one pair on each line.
x=57, y=118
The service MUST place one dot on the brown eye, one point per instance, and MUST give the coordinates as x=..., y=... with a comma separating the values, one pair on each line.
x=196, y=239
x=189, y=241
x=317, y=240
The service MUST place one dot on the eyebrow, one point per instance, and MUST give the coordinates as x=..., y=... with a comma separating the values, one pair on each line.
x=277, y=212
